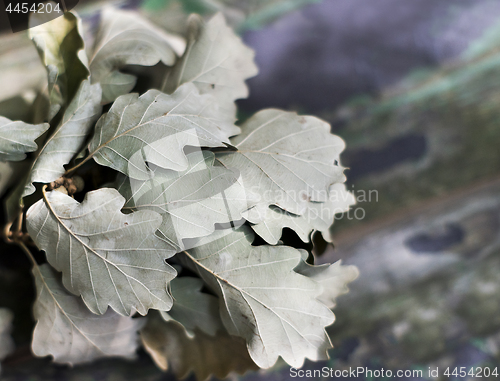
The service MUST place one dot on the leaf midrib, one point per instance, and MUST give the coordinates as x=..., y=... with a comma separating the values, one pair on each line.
x=242, y=291
x=105, y=260
x=42, y=278
x=141, y=124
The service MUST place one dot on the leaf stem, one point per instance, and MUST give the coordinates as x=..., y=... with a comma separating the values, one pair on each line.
x=12, y=236
x=6, y=233
x=77, y=166
x=20, y=219
x=28, y=253
x=17, y=238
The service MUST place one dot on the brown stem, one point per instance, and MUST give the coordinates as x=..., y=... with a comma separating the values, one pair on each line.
x=27, y=252
x=6, y=233
x=77, y=166
x=20, y=219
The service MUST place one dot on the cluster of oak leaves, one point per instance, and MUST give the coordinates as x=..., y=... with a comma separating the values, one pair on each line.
x=191, y=184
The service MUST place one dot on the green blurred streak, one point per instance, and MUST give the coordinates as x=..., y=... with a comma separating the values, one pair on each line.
x=271, y=12
x=155, y=5
x=258, y=12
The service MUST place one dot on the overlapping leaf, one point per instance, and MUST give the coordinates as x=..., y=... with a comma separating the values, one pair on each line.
x=107, y=257
x=68, y=138
x=192, y=308
x=6, y=342
x=191, y=337
x=124, y=38
x=7, y=173
x=319, y=216
x=333, y=278
x=17, y=138
x=205, y=355
x=192, y=201
x=156, y=127
x=69, y=332
x=288, y=160
x=261, y=298
x=60, y=45
x=216, y=61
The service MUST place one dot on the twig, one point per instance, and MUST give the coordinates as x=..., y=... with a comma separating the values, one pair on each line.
x=28, y=253
x=7, y=233
x=77, y=166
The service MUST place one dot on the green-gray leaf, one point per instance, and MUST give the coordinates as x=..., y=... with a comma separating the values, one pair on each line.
x=8, y=172
x=107, y=257
x=192, y=201
x=17, y=138
x=261, y=298
x=287, y=159
x=205, y=355
x=216, y=61
x=270, y=221
x=333, y=278
x=125, y=38
x=69, y=137
x=6, y=342
x=72, y=334
x=60, y=45
x=155, y=128
x=193, y=308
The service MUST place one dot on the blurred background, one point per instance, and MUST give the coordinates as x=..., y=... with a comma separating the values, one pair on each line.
x=413, y=87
